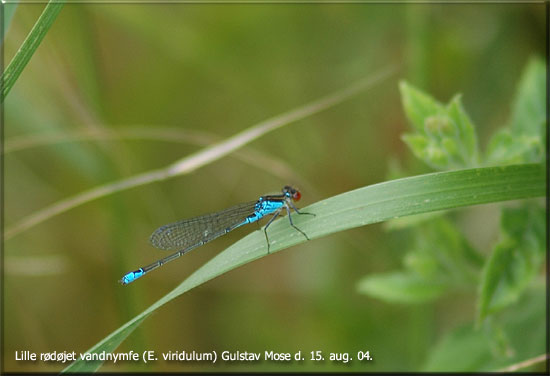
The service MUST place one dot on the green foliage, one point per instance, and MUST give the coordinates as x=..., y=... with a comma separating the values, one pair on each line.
x=529, y=109
x=401, y=287
x=444, y=136
x=515, y=260
x=441, y=259
x=523, y=140
x=446, y=252
x=469, y=349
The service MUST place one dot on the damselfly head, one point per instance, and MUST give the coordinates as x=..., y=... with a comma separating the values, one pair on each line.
x=292, y=193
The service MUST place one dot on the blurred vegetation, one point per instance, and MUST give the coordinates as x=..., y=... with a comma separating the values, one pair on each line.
x=215, y=70
x=442, y=259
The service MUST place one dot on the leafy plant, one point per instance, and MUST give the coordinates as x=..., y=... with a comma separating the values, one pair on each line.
x=522, y=141
x=515, y=261
x=445, y=137
x=442, y=260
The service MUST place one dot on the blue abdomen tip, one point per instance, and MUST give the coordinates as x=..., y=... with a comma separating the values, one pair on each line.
x=131, y=277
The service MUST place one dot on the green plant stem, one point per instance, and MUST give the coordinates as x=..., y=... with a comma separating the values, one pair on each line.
x=29, y=46
x=524, y=364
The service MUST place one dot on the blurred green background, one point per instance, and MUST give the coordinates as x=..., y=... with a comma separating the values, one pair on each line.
x=216, y=70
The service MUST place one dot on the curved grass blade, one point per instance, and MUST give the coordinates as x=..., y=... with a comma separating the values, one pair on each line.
x=261, y=160
x=200, y=158
x=108, y=344
x=371, y=204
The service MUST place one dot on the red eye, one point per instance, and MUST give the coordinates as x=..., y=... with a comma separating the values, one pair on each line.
x=296, y=196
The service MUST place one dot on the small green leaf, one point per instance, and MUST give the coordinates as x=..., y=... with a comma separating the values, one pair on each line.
x=457, y=262
x=438, y=126
x=418, y=105
x=400, y=287
x=516, y=259
x=444, y=136
x=523, y=140
x=437, y=155
x=504, y=149
x=416, y=142
x=423, y=264
x=529, y=109
x=467, y=138
x=440, y=260
x=426, y=149
x=507, y=147
x=450, y=145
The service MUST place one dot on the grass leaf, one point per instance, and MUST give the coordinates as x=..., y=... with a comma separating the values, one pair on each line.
x=106, y=345
x=371, y=204
x=401, y=287
x=200, y=158
x=29, y=46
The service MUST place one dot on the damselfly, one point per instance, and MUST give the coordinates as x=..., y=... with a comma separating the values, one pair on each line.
x=189, y=234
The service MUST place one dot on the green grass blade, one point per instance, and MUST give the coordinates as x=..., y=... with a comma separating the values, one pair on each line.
x=200, y=158
x=108, y=344
x=29, y=46
x=371, y=204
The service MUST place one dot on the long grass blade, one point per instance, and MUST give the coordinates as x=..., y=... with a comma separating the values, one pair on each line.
x=198, y=159
x=367, y=205
x=29, y=46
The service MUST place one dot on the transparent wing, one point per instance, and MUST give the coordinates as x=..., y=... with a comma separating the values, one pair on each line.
x=190, y=232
